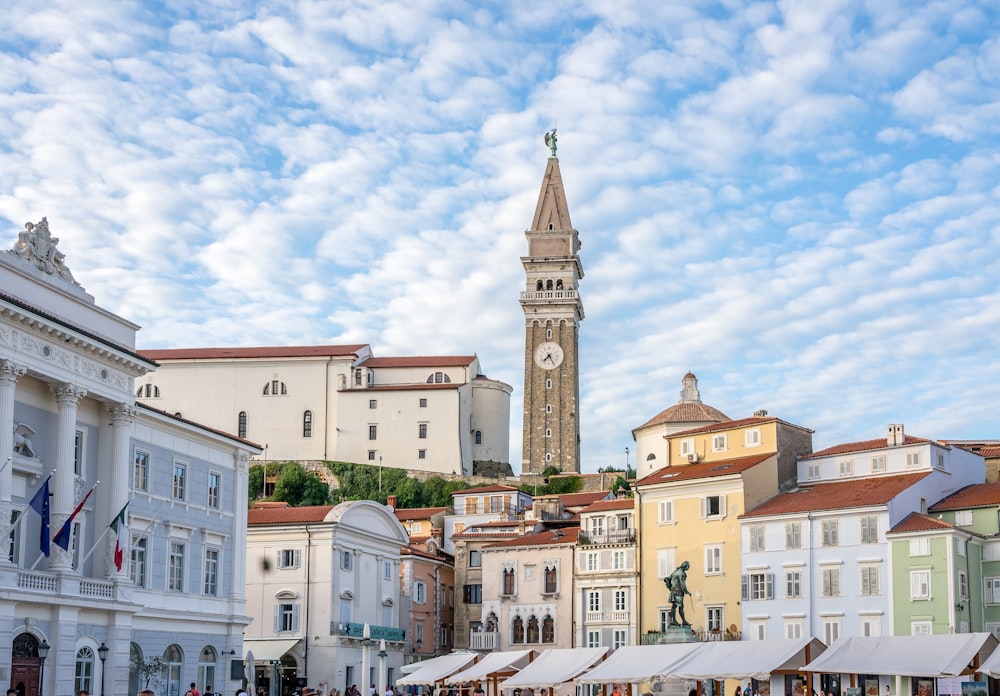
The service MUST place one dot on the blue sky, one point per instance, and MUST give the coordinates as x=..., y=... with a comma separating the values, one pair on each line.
x=798, y=201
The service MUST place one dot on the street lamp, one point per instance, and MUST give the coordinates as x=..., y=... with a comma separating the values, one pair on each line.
x=102, y=652
x=275, y=679
x=43, y=652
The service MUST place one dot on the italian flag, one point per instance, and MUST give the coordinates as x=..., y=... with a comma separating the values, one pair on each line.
x=118, y=524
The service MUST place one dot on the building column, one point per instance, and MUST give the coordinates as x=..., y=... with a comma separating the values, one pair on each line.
x=122, y=417
x=68, y=397
x=9, y=373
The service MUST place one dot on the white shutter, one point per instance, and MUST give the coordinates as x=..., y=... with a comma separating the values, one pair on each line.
x=703, y=506
x=277, y=618
x=277, y=563
x=745, y=588
x=769, y=590
x=295, y=617
x=722, y=506
x=297, y=558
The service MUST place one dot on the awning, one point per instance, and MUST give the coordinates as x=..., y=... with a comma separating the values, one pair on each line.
x=434, y=671
x=747, y=659
x=991, y=665
x=555, y=666
x=414, y=666
x=631, y=664
x=507, y=661
x=945, y=655
x=267, y=650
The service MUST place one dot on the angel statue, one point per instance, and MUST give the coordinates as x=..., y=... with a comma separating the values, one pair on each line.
x=550, y=140
x=22, y=440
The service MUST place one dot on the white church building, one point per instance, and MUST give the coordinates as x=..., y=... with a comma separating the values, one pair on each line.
x=341, y=403
x=82, y=604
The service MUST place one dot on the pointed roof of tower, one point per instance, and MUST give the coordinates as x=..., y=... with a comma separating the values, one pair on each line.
x=552, y=211
x=688, y=409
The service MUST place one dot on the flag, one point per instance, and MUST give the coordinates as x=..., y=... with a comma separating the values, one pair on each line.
x=62, y=537
x=118, y=525
x=40, y=504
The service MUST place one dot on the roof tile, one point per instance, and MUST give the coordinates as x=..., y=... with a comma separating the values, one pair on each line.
x=863, y=446
x=916, y=522
x=687, y=472
x=838, y=495
x=254, y=352
x=976, y=495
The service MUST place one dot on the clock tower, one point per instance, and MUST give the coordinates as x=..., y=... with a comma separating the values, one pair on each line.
x=552, y=316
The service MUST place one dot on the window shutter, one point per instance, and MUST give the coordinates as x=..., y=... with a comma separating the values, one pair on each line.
x=703, y=505
x=745, y=587
x=298, y=558
x=277, y=563
x=827, y=582
x=277, y=618
x=295, y=617
x=770, y=586
x=722, y=506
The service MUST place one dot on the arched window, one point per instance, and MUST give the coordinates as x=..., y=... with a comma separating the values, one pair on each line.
x=439, y=378
x=307, y=424
x=650, y=457
x=508, y=582
x=539, y=285
x=517, y=630
x=206, y=667
x=135, y=658
x=241, y=425
x=548, y=284
x=170, y=677
x=83, y=679
x=275, y=387
x=551, y=580
x=532, y=629
x=548, y=629
x=148, y=391
x=559, y=284
x=24, y=645
x=479, y=437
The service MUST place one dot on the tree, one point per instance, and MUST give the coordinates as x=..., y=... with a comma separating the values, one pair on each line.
x=148, y=670
x=296, y=486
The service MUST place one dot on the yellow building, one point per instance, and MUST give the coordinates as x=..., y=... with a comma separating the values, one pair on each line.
x=689, y=509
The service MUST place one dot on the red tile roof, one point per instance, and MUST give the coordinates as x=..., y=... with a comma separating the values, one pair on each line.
x=687, y=472
x=989, y=452
x=730, y=425
x=838, y=495
x=976, y=495
x=685, y=412
x=422, y=361
x=406, y=387
x=863, y=446
x=576, y=499
x=916, y=522
x=608, y=505
x=256, y=352
x=549, y=537
x=417, y=513
x=278, y=514
x=198, y=425
x=487, y=489
x=443, y=556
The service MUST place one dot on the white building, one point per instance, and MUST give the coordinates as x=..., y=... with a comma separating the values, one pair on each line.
x=815, y=560
x=68, y=419
x=339, y=403
x=315, y=577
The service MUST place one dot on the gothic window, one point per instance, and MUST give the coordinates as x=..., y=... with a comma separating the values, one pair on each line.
x=559, y=284
x=548, y=629
x=517, y=630
x=532, y=629
x=507, y=586
x=548, y=284
x=539, y=285
x=551, y=580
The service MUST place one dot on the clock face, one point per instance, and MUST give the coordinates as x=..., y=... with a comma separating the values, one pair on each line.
x=548, y=355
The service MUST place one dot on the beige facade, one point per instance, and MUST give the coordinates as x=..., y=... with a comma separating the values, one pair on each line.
x=528, y=590
x=339, y=403
x=552, y=315
x=427, y=581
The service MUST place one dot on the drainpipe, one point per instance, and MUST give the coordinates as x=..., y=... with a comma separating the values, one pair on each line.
x=305, y=638
x=437, y=607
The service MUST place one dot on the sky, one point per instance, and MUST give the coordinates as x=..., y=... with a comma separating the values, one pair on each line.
x=798, y=201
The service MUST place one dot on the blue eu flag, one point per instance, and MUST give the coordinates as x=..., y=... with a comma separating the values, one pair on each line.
x=40, y=504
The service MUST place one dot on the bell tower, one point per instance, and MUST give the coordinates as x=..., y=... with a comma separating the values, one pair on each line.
x=552, y=315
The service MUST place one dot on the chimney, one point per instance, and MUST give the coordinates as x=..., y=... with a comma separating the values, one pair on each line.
x=894, y=436
x=390, y=500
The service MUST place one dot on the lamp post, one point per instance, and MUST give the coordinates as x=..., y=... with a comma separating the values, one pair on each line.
x=43, y=652
x=382, y=655
x=102, y=652
x=366, y=641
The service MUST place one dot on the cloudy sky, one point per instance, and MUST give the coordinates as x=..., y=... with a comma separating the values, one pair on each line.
x=798, y=201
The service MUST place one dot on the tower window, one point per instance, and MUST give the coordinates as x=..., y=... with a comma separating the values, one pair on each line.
x=548, y=456
x=539, y=285
x=548, y=432
x=548, y=284
x=548, y=408
x=559, y=284
x=548, y=384
x=548, y=333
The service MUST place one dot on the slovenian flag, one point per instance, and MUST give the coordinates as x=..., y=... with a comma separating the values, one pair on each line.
x=118, y=524
x=40, y=504
x=65, y=532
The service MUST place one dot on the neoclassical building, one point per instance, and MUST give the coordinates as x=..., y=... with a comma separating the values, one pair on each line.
x=125, y=525
x=341, y=403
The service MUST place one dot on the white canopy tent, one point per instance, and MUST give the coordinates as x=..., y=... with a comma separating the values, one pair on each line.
x=498, y=662
x=414, y=666
x=554, y=667
x=437, y=669
x=991, y=665
x=747, y=659
x=946, y=655
x=632, y=664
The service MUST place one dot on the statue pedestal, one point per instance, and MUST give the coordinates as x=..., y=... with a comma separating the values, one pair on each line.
x=678, y=634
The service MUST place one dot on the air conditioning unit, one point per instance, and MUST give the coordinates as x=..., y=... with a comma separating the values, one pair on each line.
x=692, y=458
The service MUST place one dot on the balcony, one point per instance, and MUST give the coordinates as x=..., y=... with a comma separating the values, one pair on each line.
x=653, y=637
x=484, y=640
x=549, y=295
x=616, y=536
x=45, y=583
x=617, y=616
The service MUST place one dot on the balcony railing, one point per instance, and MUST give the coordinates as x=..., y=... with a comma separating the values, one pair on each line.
x=44, y=582
x=549, y=295
x=617, y=536
x=484, y=640
x=653, y=637
x=616, y=616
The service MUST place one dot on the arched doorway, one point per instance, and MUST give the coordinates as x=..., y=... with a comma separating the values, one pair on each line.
x=25, y=665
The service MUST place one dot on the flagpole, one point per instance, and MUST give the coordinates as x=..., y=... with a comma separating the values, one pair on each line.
x=108, y=528
x=45, y=506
